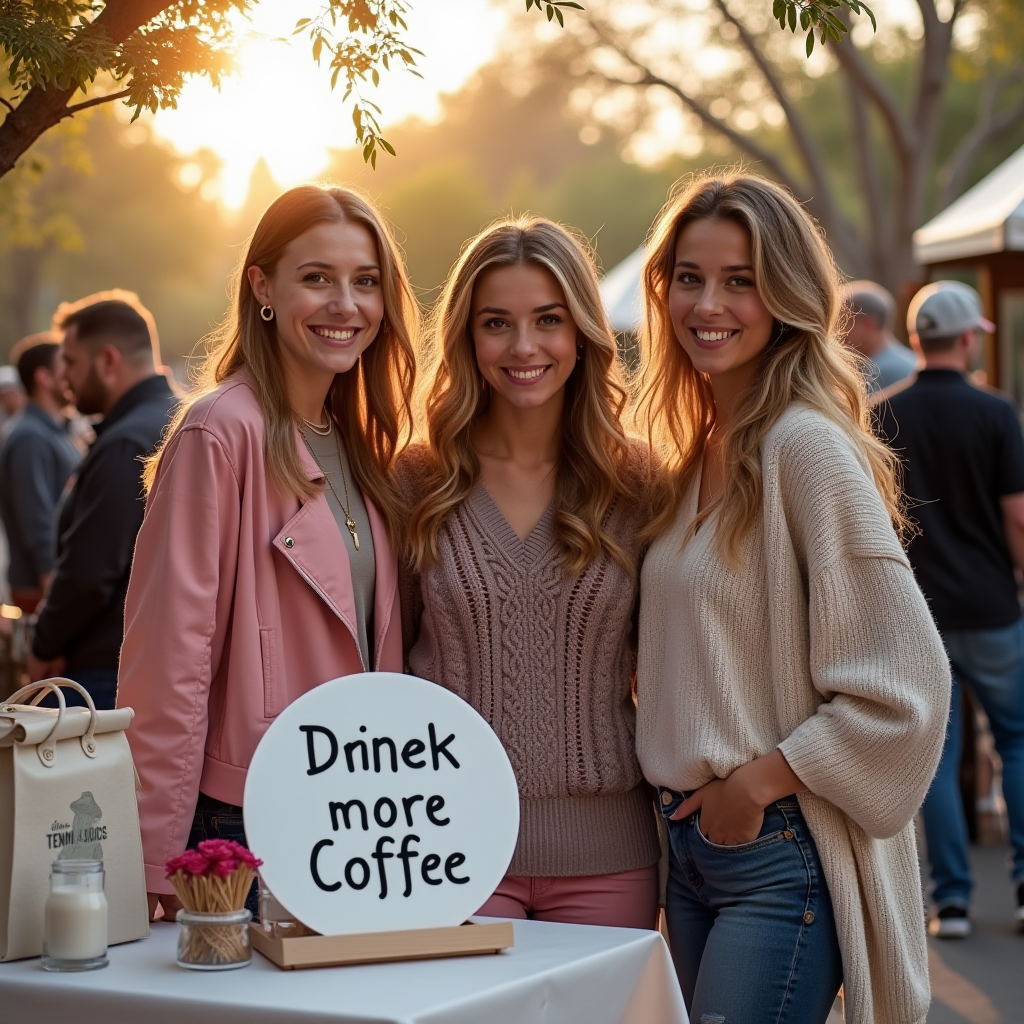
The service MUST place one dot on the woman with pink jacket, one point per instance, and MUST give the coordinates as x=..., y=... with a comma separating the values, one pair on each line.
x=265, y=563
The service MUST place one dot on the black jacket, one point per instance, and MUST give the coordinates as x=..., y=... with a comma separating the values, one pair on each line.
x=83, y=617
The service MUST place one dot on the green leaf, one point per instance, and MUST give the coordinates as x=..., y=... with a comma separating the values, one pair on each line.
x=810, y=42
x=792, y=19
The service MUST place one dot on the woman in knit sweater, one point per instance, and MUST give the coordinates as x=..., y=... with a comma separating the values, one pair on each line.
x=792, y=687
x=521, y=583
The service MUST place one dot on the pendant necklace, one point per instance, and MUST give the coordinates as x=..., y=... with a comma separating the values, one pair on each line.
x=346, y=504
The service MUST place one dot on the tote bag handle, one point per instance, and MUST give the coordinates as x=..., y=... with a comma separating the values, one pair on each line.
x=47, y=750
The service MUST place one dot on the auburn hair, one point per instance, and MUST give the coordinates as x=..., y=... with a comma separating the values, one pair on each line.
x=798, y=281
x=371, y=404
x=593, y=466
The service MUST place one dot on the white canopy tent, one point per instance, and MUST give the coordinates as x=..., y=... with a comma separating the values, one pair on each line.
x=987, y=218
x=620, y=291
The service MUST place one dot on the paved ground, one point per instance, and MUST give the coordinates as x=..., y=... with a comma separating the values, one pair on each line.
x=980, y=980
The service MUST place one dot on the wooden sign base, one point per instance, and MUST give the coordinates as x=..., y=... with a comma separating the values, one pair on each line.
x=469, y=939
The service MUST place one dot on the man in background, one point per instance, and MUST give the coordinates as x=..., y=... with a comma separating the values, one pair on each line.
x=35, y=465
x=110, y=369
x=12, y=401
x=871, y=333
x=963, y=456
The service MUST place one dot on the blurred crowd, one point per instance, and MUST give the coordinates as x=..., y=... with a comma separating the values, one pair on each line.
x=83, y=403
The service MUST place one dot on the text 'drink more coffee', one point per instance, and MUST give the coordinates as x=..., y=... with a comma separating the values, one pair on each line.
x=381, y=802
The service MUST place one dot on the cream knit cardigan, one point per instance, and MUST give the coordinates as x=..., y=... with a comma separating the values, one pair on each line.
x=861, y=693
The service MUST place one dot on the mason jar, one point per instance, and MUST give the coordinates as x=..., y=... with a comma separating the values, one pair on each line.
x=213, y=942
x=75, y=921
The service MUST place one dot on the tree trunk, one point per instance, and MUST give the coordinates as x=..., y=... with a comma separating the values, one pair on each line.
x=25, y=267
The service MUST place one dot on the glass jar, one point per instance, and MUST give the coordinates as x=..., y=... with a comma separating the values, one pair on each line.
x=214, y=942
x=275, y=920
x=75, y=921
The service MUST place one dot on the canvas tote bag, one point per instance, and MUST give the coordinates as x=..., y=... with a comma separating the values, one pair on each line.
x=67, y=791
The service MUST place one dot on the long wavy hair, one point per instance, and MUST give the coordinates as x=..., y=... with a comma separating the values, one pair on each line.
x=799, y=283
x=371, y=404
x=593, y=466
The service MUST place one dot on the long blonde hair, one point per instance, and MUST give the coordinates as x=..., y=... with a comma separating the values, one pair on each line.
x=593, y=466
x=799, y=283
x=371, y=404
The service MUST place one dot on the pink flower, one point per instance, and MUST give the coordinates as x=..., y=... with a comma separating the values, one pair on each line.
x=247, y=858
x=223, y=868
x=220, y=857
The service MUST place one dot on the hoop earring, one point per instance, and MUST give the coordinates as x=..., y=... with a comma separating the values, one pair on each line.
x=264, y=311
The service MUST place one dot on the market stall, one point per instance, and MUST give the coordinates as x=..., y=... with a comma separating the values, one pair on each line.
x=384, y=810
x=554, y=972
x=979, y=239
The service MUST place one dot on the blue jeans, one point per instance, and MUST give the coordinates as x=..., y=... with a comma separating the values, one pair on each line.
x=216, y=820
x=991, y=663
x=751, y=926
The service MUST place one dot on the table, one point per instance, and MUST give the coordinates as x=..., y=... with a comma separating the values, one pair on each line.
x=555, y=974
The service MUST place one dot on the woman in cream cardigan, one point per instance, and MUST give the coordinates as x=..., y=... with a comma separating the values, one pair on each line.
x=792, y=688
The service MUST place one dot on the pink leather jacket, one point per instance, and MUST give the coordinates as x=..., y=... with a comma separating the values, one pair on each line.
x=240, y=601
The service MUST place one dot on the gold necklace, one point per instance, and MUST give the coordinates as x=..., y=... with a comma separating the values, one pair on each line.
x=349, y=521
x=320, y=428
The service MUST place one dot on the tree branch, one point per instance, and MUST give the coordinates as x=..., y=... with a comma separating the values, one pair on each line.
x=862, y=77
x=809, y=151
x=988, y=127
x=875, y=207
x=649, y=78
x=96, y=101
x=45, y=105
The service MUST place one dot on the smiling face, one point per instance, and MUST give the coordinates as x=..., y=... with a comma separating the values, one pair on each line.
x=326, y=295
x=524, y=338
x=716, y=311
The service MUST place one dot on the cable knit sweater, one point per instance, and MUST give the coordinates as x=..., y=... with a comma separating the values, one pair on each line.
x=820, y=643
x=548, y=661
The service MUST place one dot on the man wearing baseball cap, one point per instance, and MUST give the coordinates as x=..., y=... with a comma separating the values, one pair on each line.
x=963, y=456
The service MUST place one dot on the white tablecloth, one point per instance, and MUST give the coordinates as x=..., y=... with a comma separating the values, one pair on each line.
x=555, y=974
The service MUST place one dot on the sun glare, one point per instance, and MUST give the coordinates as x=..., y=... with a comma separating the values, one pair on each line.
x=278, y=105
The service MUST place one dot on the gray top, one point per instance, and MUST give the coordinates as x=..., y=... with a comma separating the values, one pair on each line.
x=362, y=564
x=894, y=363
x=37, y=461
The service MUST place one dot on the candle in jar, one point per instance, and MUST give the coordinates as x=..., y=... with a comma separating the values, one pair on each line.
x=75, y=917
x=76, y=923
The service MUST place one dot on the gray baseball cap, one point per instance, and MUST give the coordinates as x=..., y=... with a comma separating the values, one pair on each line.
x=9, y=379
x=946, y=309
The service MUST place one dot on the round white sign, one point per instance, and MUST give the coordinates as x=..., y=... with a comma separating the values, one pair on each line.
x=381, y=802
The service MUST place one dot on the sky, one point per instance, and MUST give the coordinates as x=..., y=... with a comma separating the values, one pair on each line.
x=278, y=104
x=293, y=125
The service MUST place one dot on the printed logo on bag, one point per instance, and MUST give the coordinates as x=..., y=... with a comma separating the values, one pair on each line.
x=381, y=802
x=82, y=838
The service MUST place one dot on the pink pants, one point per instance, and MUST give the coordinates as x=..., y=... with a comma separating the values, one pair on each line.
x=628, y=899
